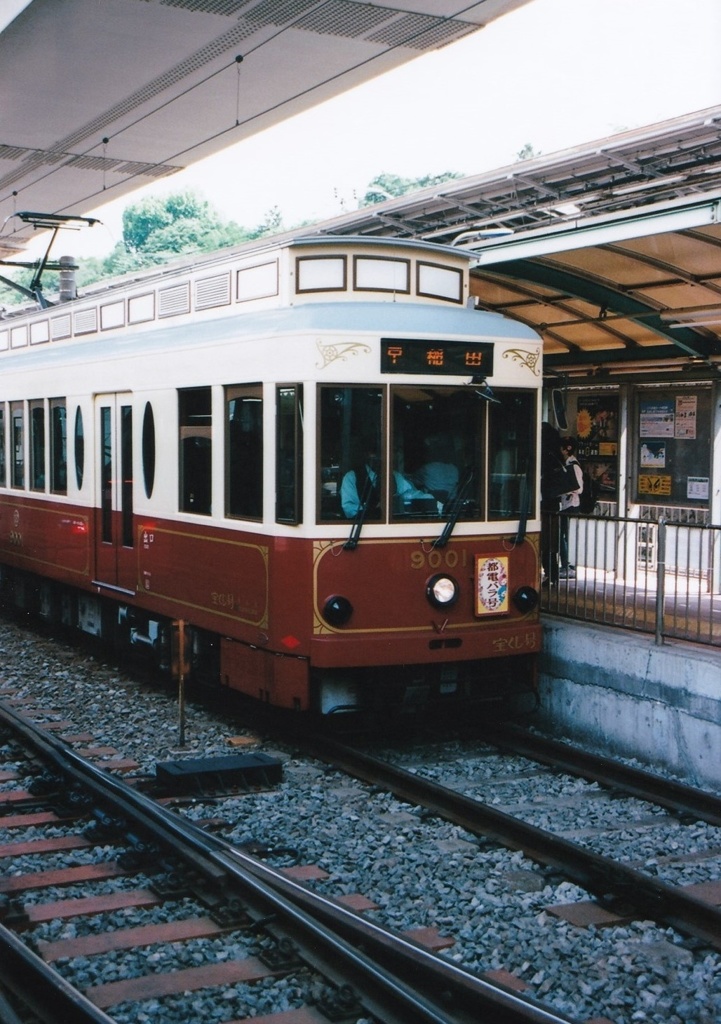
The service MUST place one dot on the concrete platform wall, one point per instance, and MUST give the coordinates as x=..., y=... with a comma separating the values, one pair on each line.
x=618, y=691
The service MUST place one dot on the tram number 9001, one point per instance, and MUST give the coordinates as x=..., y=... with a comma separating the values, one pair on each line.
x=450, y=559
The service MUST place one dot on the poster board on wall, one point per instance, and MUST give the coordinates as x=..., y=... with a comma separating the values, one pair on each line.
x=597, y=441
x=673, y=450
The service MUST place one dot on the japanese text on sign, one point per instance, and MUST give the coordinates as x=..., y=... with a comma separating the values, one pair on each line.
x=491, y=585
x=453, y=358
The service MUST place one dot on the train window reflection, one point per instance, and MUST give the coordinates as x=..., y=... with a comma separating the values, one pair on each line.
x=58, y=446
x=351, y=451
x=17, y=416
x=106, y=473
x=512, y=444
x=3, y=471
x=437, y=443
x=289, y=454
x=126, y=474
x=437, y=453
x=79, y=448
x=195, y=424
x=37, y=446
x=148, y=449
x=244, y=447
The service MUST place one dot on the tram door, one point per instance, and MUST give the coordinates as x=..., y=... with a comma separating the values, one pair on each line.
x=115, y=557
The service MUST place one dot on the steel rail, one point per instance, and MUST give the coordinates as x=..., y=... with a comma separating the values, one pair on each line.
x=426, y=989
x=40, y=988
x=676, y=796
x=597, y=874
x=384, y=994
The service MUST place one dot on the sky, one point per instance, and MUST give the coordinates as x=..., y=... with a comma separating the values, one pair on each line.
x=553, y=74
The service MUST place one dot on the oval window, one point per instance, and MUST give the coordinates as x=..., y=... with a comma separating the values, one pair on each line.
x=148, y=449
x=79, y=447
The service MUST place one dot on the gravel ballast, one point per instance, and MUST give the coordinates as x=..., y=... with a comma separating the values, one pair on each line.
x=420, y=871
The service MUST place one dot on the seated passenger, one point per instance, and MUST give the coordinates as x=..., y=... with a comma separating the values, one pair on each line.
x=438, y=474
x=352, y=493
x=406, y=495
x=362, y=484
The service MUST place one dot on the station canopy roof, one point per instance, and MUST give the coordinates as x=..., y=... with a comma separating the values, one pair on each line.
x=610, y=250
x=101, y=97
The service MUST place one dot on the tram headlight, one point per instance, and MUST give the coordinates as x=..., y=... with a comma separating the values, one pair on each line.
x=337, y=610
x=525, y=599
x=442, y=591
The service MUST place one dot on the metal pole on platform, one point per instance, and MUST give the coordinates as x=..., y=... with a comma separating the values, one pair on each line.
x=179, y=667
x=660, y=579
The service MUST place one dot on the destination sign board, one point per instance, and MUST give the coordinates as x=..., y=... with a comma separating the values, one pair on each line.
x=449, y=358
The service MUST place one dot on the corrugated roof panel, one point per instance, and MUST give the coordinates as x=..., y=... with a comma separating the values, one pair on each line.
x=607, y=263
x=686, y=251
x=589, y=336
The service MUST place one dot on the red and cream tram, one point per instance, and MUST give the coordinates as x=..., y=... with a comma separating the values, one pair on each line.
x=315, y=455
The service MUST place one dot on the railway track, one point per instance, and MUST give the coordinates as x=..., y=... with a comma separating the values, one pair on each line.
x=287, y=931
x=622, y=891
x=683, y=800
x=578, y=953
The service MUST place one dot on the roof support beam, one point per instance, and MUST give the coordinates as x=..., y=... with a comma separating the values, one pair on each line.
x=580, y=234
x=690, y=342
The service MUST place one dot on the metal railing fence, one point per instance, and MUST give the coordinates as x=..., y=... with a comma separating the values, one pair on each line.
x=657, y=577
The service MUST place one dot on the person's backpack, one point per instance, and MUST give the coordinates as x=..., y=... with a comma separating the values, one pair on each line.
x=589, y=494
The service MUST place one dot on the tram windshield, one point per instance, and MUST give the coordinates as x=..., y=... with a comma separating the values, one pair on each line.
x=406, y=452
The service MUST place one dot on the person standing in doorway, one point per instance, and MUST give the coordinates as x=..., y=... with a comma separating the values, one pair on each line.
x=551, y=461
x=569, y=506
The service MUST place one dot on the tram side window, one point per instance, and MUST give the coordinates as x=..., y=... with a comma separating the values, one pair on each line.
x=37, y=446
x=437, y=438
x=79, y=448
x=126, y=473
x=512, y=447
x=106, y=474
x=350, y=465
x=58, y=446
x=289, y=454
x=195, y=447
x=148, y=448
x=3, y=468
x=244, y=451
x=17, y=417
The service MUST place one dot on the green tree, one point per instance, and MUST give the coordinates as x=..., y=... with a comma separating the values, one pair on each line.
x=389, y=186
x=156, y=230
x=527, y=152
x=272, y=224
x=9, y=296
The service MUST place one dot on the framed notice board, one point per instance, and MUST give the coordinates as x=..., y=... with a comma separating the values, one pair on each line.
x=596, y=422
x=673, y=446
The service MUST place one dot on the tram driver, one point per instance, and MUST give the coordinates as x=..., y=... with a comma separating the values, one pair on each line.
x=362, y=485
